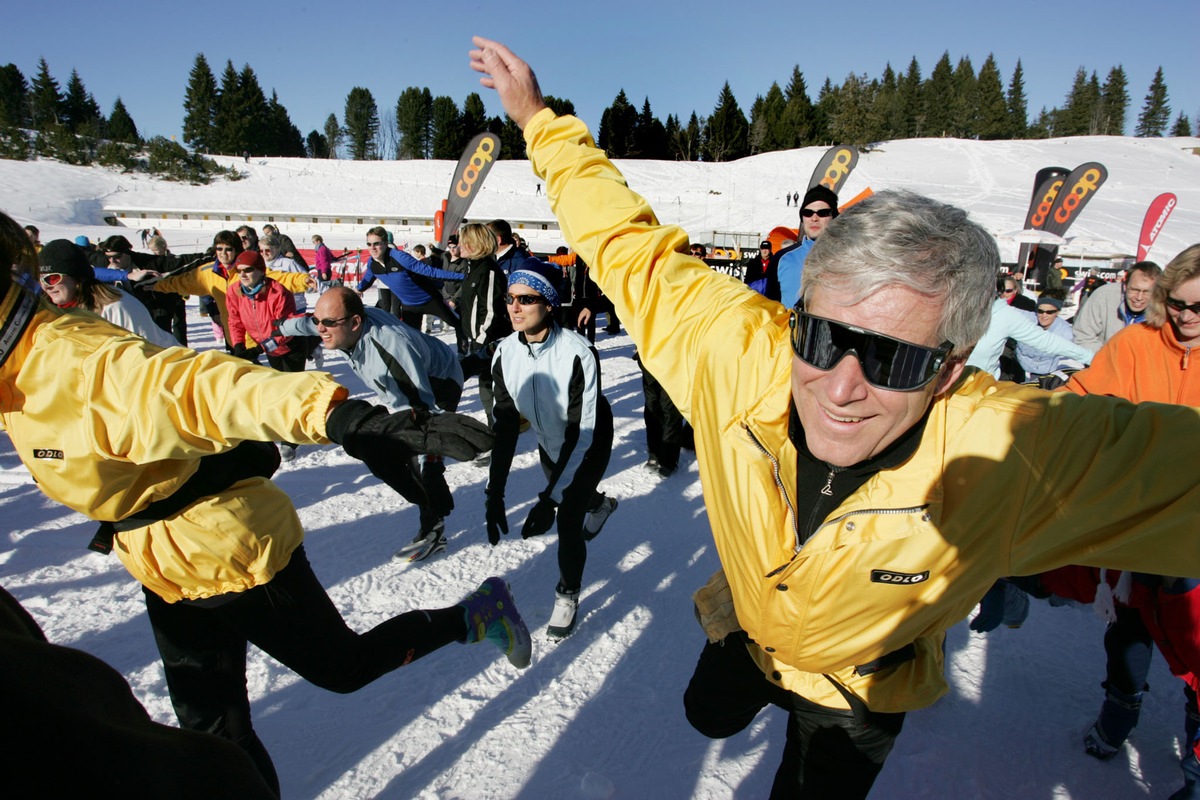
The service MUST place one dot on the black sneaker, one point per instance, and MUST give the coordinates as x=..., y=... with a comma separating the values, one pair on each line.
x=595, y=519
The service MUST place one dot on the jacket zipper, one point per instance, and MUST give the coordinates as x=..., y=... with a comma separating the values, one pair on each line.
x=786, y=499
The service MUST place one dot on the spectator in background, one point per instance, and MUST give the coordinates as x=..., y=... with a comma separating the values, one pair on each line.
x=480, y=304
x=68, y=280
x=286, y=246
x=167, y=310
x=757, y=268
x=249, y=238
x=1036, y=362
x=413, y=284
x=33, y=233
x=1116, y=305
x=1012, y=291
x=820, y=207
x=698, y=251
x=1007, y=323
x=323, y=264
x=158, y=246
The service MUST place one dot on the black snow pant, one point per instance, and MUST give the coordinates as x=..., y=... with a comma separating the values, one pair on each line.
x=579, y=498
x=828, y=753
x=664, y=423
x=203, y=648
x=436, y=307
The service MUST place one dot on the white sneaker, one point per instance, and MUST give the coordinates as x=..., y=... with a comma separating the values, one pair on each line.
x=562, y=619
x=595, y=519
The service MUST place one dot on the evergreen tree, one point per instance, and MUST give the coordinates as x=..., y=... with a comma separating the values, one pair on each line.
x=512, y=141
x=120, y=124
x=200, y=107
x=1018, y=114
x=1043, y=127
x=822, y=111
x=728, y=136
x=81, y=114
x=912, y=106
x=672, y=130
x=1075, y=117
x=796, y=123
x=693, y=137
x=14, y=98
x=849, y=122
x=362, y=121
x=474, y=117
x=446, y=136
x=887, y=114
x=562, y=108
x=1156, y=112
x=316, y=145
x=650, y=135
x=965, y=106
x=1182, y=126
x=993, y=119
x=769, y=130
x=618, y=127
x=45, y=100
x=281, y=137
x=250, y=126
x=333, y=136
x=414, y=120
x=224, y=118
x=1115, y=97
x=938, y=98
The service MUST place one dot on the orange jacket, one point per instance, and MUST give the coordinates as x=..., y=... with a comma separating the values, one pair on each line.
x=1141, y=364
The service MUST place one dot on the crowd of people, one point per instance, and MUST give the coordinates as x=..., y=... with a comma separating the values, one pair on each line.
x=872, y=468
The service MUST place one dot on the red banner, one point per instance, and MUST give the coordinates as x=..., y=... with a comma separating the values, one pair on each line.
x=1156, y=217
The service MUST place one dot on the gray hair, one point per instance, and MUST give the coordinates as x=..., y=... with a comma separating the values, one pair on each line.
x=900, y=238
x=273, y=241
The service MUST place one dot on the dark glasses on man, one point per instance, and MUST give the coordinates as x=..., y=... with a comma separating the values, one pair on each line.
x=331, y=322
x=1180, y=306
x=887, y=363
x=522, y=299
x=52, y=278
x=819, y=212
x=1047, y=312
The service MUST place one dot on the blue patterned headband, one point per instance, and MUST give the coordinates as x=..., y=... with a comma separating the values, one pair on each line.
x=535, y=281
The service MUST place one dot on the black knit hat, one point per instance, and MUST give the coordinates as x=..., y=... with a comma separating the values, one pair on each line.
x=68, y=258
x=823, y=193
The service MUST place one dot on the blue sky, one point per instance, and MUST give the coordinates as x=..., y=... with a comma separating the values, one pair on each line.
x=312, y=54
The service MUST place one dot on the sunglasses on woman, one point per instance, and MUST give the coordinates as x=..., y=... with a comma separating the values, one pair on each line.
x=887, y=363
x=523, y=299
x=1180, y=306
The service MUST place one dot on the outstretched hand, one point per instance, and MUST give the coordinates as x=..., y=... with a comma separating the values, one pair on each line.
x=511, y=77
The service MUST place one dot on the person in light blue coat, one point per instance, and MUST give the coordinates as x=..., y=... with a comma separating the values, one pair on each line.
x=407, y=369
x=1048, y=317
x=1009, y=323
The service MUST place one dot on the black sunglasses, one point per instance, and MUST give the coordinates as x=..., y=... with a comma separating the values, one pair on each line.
x=887, y=363
x=820, y=212
x=1180, y=306
x=331, y=322
x=523, y=299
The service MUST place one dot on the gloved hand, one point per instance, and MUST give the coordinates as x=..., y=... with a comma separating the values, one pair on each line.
x=540, y=518
x=369, y=432
x=497, y=518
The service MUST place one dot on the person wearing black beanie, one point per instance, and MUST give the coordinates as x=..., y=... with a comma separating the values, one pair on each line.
x=818, y=208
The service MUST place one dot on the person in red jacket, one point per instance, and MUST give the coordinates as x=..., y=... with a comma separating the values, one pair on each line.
x=257, y=304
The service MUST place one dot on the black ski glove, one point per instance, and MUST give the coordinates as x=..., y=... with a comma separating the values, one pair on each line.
x=367, y=432
x=541, y=517
x=497, y=518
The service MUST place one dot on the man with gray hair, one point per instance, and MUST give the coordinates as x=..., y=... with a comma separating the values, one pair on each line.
x=864, y=488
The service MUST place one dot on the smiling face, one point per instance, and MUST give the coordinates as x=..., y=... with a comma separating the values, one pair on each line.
x=63, y=293
x=225, y=254
x=846, y=419
x=1138, y=289
x=1186, y=322
x=342, y=331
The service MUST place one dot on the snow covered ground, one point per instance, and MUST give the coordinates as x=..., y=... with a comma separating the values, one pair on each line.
x=600, y=714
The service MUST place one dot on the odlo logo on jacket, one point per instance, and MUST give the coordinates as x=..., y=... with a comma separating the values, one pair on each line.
x=887, y=576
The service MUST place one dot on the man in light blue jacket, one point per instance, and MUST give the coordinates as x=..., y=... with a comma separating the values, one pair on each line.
x=407, y=369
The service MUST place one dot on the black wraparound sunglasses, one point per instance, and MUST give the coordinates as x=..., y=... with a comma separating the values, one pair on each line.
x=887, y=363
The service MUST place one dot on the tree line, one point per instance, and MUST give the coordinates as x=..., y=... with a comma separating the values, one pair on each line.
x=234, y=116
